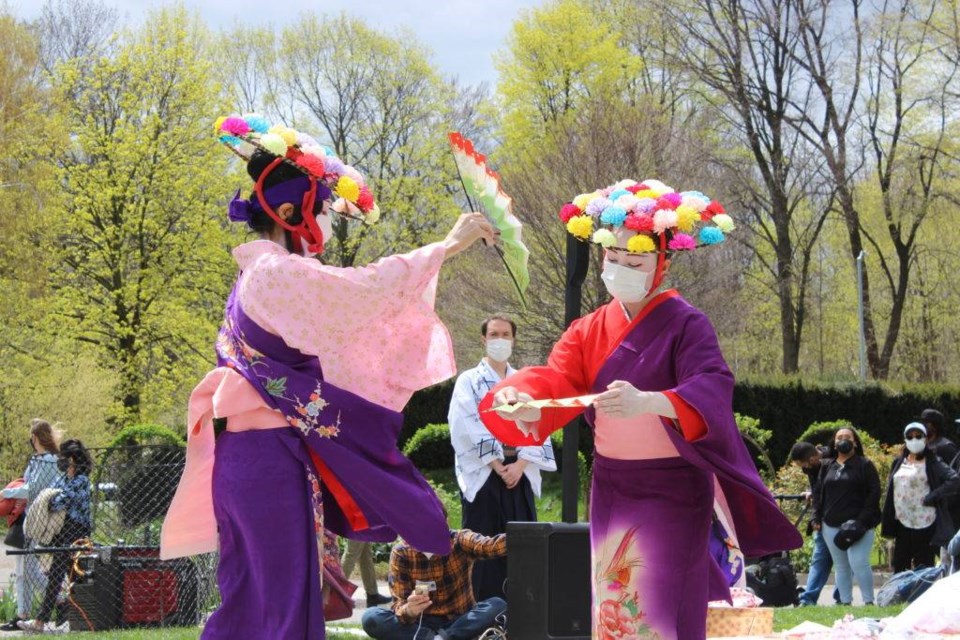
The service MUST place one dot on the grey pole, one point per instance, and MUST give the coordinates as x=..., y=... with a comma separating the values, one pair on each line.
x=863, y=335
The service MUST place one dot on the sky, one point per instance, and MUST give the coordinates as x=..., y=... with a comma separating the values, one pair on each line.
x=463, y=34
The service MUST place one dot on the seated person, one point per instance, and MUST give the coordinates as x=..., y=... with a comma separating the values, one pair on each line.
x=448, y=610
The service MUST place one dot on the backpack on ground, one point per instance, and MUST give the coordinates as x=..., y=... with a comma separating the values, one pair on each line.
x=907, y=586
x=774, y=581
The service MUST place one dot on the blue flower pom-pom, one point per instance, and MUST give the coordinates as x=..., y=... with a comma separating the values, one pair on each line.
x=711, y=235
x=613, y=215
x=257, y=123
x=616, y=194
x=230, y=140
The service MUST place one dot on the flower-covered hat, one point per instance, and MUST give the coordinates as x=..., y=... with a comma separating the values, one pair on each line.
x=665, y=220
x=325, y=175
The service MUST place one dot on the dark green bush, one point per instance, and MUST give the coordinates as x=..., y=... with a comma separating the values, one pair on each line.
x=430, y=447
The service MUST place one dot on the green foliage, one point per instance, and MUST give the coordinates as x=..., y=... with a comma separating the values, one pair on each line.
x=430, y=447
x=143, y=232
x=756, y=439
x=146, y=434
x=427, y=406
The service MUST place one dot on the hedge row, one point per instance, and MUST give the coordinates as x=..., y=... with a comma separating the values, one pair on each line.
x=786, y=408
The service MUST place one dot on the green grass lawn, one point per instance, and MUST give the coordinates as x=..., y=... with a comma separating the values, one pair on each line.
x=789, y=617
x=783, y=619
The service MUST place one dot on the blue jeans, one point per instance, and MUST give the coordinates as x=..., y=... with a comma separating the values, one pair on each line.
x=820, y=565
x=383, y=624
x=852, y=563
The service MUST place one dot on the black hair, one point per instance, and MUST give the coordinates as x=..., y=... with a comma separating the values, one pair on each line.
x=75, y=451
x=801, y=451
x=857, y=445
x=498, y=316
x=932, y=418
x=258, y=163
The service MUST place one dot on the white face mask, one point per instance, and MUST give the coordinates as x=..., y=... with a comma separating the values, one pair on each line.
x=499, y=349
x=626, y=284
x=916, y=446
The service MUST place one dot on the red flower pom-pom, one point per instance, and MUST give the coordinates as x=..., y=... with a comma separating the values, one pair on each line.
x=568, y=211
x=365, y=199
x=714, y=208
x=313, y=164
x=669, y=201
x=639, y=222
x=634, y=188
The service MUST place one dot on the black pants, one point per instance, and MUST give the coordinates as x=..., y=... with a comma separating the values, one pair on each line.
x=911, y=548
x=492, y=508
x=71, y=531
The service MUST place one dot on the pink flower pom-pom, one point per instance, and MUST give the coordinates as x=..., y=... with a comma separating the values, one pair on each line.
x=235, y=126
x=312, y=163
x=664, y=219
x=606, y=191
x=669, y=201
x=569, y=210
x=681, y=242
x=639, y=222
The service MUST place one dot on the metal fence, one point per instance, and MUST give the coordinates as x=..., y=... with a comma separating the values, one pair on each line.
x=116, y=580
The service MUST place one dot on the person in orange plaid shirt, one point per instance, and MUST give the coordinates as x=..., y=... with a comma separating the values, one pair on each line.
x=448, y=610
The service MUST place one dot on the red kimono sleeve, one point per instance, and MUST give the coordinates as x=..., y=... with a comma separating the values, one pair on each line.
x=564, y=376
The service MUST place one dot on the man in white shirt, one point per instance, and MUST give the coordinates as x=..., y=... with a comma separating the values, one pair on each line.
x=497, y=483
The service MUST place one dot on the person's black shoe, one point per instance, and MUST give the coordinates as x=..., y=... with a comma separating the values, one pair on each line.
x=12, y=625
x=375, y=599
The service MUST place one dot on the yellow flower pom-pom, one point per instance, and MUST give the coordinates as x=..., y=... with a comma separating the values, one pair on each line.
x=580, y=226
x=604, y=238
x=723, y=222
x=289, y=135
x=347, y=189
x=687, y=218
x=645, y=193
x=216, y=125
x=640, y=244
x=583, y=200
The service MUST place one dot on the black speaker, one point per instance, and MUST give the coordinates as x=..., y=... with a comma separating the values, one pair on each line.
x=548, y=581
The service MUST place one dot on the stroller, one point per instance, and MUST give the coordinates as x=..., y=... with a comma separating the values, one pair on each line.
x=773, y=578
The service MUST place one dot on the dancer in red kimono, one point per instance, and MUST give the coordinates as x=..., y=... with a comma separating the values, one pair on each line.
x=666, y=444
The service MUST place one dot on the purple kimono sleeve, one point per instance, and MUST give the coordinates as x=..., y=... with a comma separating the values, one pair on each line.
x=705, y=385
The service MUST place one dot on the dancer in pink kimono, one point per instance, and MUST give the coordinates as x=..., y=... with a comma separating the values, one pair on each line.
x=315, y=363
x=666, y=444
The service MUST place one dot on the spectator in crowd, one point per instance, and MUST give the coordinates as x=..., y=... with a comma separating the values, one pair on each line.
x=497, y=483
x=362, y=552
x=73, y=498
x=432, y=594
x=915, y=511
x=40, y=473
x=936, y=441
x=846, y=511
x=810, y=459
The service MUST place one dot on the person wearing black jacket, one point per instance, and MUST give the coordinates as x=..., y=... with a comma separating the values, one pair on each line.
x=915, y=512
x=848, y=503
x=810, y=459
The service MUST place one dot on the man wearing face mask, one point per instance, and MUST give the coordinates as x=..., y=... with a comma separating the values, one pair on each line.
x=915, y=511
x=647, y=372
x=497, y=483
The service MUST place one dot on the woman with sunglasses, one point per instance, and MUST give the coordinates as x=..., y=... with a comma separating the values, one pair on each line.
x=915, y=512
